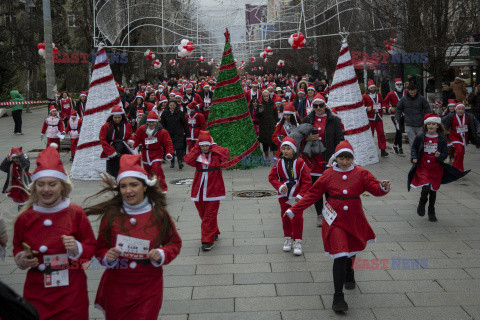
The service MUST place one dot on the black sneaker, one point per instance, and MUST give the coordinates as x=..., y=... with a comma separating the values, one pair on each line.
x=400, y=150
x=180, y=166
x=71, y=159
x=395, y=149
x=172, y=164
x=206, y=246
x=339, y=303
x=383, y=153
x=350, y=281
x=431, y=214
x=216, y=237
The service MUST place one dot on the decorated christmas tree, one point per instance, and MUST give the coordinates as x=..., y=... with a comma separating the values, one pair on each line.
x=345, y=99
x=229, y=120
x=102, y=96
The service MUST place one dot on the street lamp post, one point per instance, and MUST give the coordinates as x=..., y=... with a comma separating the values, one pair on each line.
x=28, y=4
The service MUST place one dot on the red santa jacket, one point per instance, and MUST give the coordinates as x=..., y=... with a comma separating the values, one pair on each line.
x=300, y=184
x=459, y=130
x=73, y=127
x=250, y=95
x=289, y=96
x=42, y=228
x=377, y=106
x=66, y=107
x=152, y=150
x=196, y=122
x=51, y=126
x=106, y=142
x=207, y=176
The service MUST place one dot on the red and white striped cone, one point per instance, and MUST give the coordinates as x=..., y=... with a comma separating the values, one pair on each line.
x=345, y=99
x=102, y=96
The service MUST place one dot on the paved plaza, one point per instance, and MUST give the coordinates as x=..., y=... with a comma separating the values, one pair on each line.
x=432, y=270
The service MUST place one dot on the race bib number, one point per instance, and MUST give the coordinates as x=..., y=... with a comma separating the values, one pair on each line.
x=329, y=214
x=462, y=129
x=132, y=248
x=150, y=140
x=192, y=121
x=377, y=106
x=207, y=100
x=430, y=147
x=59, y=275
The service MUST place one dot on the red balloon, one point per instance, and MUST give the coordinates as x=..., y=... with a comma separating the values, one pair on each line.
x=301, y=37
x=189, y=48
x=55, y=50
x=189, y=43
x=294, y=46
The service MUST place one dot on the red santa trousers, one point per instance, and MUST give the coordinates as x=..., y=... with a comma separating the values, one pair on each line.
x=378, y=126
x=208, y=211
x=191, y=144
x=291, y=228
x=458, y=156
x=73, y=146
x=53, y=140
x=156, y=170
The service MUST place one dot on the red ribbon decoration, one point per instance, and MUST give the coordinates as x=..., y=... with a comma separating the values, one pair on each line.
x=349, y=106
x=100, y=65
x=357, y=130
x=227, y=66
x=343, y=65
x=343, y=83
x=88, y=145
x=101, y=80
x=228, y=119
x=343, y=51
x=229, y=99
x=104, y=107
x=235, y=160
x=227, y=82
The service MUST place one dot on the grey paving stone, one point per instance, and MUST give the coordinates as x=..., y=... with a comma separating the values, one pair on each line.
x=399, y=286
x=198, y=306
x=360, y=275
x=226, y=250
x=410, y=254
x=258, y=315
x=470, y=285
x=473, y=311
x=305, y=288
x=234, y=291
x=421, y=299
x=233, y=268
x=272, y=277
x=473, y=272
x=177, y=293
x=372, y=300
x=173, y=317
x=278, y=303
x=364, y=314
x=433, y=274
x=414, y=313
x=300, y=266
x=195, y=260
x=425, y=245
x=198, y=280
x=271, y=257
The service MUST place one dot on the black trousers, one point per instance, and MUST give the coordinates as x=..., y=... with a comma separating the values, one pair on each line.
x=319, y=203
x=113, y=166
x=399, y=131
x=17, y=118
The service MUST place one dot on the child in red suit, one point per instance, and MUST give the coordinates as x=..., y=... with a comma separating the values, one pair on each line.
x=154, y=139
x=291, y=177
x=73, y=127
x=196, y=123
x=52, y=127
x=208, y=187
x=16, y=166
x=285, y=126
x=374, y=103
x=345, y=230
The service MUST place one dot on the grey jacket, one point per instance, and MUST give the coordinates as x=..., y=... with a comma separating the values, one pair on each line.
x=311, y=147
x=414, y=109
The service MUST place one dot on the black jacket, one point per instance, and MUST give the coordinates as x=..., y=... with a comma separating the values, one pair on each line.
x=447, y=95
x=450, y=173
x=177, y=127
x=473, y=126
x=333, y=132
x=24, y=164
x=414, y=109
x=474, y=100
x=267, y=120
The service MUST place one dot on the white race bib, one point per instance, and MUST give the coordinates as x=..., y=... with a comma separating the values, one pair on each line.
x=59, y=275
x=329, y=214
x=430, y=147
x=132, y=248
x=192, y=121
x=150, y=140
x=462, y=129
x=377, y=106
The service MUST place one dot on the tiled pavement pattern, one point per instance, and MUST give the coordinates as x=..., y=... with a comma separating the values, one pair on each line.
x=247, y=276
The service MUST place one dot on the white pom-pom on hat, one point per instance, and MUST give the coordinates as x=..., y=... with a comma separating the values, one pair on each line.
x=54, y=145
x=151, y=182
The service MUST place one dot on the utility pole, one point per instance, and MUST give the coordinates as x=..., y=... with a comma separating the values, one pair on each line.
x=28, y=4
x=165, y=75
x=365, y=75
x=315, y=42
x=47, y=33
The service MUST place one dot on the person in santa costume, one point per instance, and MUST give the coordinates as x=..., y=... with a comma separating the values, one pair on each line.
x=52, y=127
x=81, y=103
x=462, y=127
x=16, y=166
x=132, y=284
x=206, y=96
x=253, y=92
x=345, y=230
x=116, y=139
x=73, y=128
x=311, y=94
x=154, y=140
x=66, y=107
x=285, y=126
x=429, y=151
x=196, y=123
x=289, y=95
x=291, y=178
x=374, y=103
x=162, y=105
x=208, y=187
x=190, y=96
x=390, y=102
x=53, y=238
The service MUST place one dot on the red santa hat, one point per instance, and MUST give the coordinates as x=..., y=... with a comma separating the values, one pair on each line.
x=189, y=87
x=318, y=97
x=278, y=100
x=343, y=146
x=172, y=93
x=311, y=87
x=254, y=84
x=177, y=94
x=49, y=165
x=192, y=105
x=73, y=113
x=131, y=166
x=83, y=94
x=204, y=138
x=452, y=102
x=15, y=152
x=52, y=108
x=117, y=110
x=459, y=104
x=432, y=117
x=163, y=99
x=371, y=83
x=300, y=91
x=289, y=142
x=152, y=116
x=289, y=108
x=206, y=85
x=140, y=94
x=398, y=81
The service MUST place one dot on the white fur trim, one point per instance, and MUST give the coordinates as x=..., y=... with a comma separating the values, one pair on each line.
x=371, y=86
x=116, y=113
x=151, y=182
x=399, y=82
x=49, y=173
x=152, y=120
x=205, y=143
x=288, y=143
x=288, y=112
x=434, y=119
x=135, y=174
x=54, y=145
x=162, y=260
x=59, y=207
x=343, y=150
x=459, y=105
x=80, y=250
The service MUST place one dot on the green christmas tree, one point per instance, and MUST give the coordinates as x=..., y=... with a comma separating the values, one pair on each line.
x=229, y=120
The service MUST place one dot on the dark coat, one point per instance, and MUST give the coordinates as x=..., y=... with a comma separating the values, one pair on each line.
x=24, y=164
x=473, y=126
x=446, y=95
x=450, y=173
x=299, y=105
x=267, y=121
x=414, y=108
x=177, y=127
x=333, y=132
x=474, y=100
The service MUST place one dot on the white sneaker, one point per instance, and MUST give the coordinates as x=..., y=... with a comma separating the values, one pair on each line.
x=297, y=247
x=319, y=220
x=287, y=245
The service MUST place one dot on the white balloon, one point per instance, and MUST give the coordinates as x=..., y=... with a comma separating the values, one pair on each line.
x=184, y=42
x=41, y=52
x=180, y=47
x=290, y=40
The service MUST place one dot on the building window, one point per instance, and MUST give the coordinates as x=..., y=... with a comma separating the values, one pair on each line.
x=71, y=21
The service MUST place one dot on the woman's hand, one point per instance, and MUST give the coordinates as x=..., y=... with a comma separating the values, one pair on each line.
x=283, y=190
x=312, y=137
x=70, y=245
x=369, y=108
x=437, y=154
x=113, y=254
x=386, y=184
x=414, y=160
x=154, y=255
x=31, y=262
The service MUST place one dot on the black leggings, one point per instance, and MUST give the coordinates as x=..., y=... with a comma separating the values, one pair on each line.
x=398, y=132
x=319, y=203
x=271, y=146
x=426, y=191
x=17, y=118
x=341, y=266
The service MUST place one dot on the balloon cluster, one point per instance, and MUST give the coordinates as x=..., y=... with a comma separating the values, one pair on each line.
x=281, y=63
x=266, y=60
x=41, y=49
x=252, y=59
x=269, y=51
x=211, y=61
x=388, y=44
x=156, y=64
x=149, y=54
x=263, y=54
x=260, y=68
x=201, y=59
x=297, y=40
x=172, y=62
x=185, y=48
